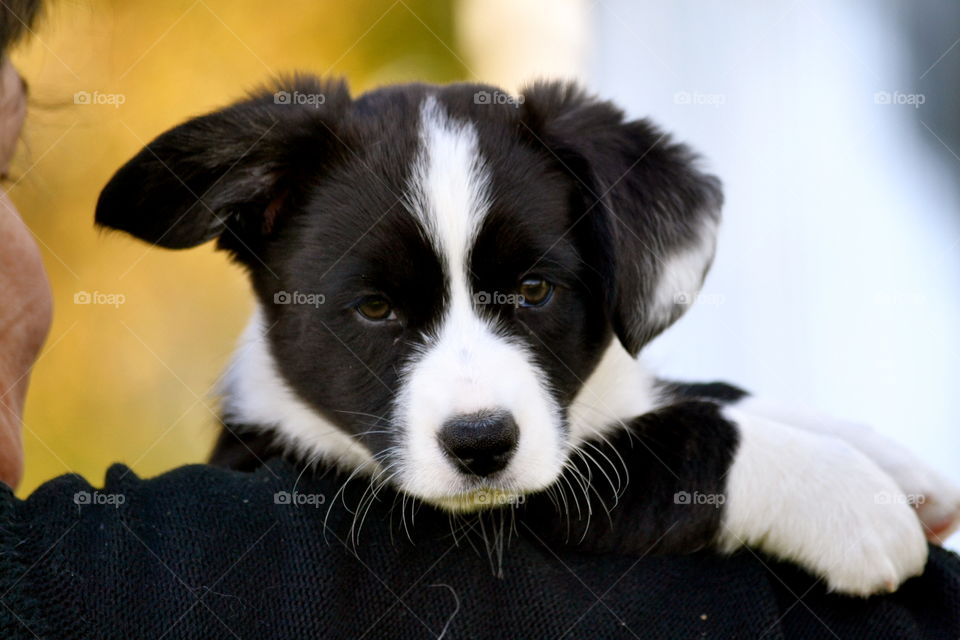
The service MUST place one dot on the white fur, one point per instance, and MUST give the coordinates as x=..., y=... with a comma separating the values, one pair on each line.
x=619, y=389
x=465, y=369
x=449, y=191
x=817, y=501
x=255, y=393
x=682, y=275
x=468, y=365
x=936, y=498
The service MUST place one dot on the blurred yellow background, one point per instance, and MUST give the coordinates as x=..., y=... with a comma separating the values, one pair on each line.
x=134, y=382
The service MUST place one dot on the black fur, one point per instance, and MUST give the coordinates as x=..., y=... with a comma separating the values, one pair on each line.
x=642, y=188
x=678, y=452
x=216, y=176
x=244, y=448
x=716, y=391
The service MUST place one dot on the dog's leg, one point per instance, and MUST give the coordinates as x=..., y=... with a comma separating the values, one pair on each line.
x=821, y=503
x=697, y=470
x=936, y=498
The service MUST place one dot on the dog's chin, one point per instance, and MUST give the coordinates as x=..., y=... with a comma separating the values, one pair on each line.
x=477, y=500
x=476, y=495
x=437, y=484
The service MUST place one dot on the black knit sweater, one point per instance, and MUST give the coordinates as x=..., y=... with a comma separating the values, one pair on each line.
x=205, y=553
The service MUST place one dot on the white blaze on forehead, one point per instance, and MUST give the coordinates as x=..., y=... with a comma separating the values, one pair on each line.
x=466, y=365
x=450, y=188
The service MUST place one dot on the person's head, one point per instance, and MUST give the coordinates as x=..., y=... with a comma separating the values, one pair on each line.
x=25, y=299
x=16, y=19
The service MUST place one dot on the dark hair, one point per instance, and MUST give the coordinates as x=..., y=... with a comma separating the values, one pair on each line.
x=16, y=17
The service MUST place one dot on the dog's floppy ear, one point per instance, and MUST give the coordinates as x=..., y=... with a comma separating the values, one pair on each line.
x=227, y=174
x=655, y=213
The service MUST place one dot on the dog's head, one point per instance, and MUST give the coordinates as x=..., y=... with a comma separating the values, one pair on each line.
x=439, y=269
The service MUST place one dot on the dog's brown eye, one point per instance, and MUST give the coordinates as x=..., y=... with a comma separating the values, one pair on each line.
x=535, y=292
x=375, y=308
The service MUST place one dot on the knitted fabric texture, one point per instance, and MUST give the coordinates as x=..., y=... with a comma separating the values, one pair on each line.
x=204, y=553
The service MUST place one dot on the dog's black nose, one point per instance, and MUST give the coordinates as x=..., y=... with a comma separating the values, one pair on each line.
x=480, y=443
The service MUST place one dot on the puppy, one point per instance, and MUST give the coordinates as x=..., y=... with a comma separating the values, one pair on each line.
x=452, y=292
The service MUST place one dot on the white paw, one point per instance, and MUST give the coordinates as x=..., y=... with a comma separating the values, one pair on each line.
x=936, y=498
x=818, y=502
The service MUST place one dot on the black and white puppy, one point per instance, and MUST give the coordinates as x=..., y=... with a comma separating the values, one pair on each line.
x=452, y=292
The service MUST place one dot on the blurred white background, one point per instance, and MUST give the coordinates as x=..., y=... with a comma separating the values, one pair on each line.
x=834, y=128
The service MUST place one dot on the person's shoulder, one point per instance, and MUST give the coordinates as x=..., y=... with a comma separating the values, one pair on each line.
x=943, y=569
x=69, y=495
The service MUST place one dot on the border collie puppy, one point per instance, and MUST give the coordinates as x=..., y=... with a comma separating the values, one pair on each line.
x=452, y=292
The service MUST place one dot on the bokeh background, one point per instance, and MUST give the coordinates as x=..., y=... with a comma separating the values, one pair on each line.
x=833, y=126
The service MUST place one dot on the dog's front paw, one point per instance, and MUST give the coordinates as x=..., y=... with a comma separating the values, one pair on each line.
x=817, y=501
x=881, y=544
x=936, y=498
